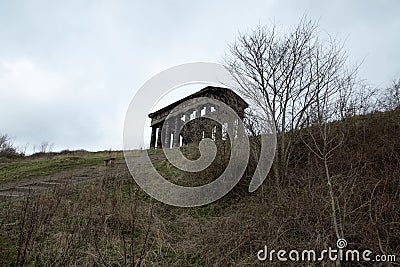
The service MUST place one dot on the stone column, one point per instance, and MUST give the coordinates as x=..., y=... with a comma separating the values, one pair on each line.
x=208, y=108
x=175, y=142
x=167, y=135
x=186, y=131
x=209, y=125
x=187, y=115
x=198, y=111
x=199, y=125
x=218, y=133
x=231, y=129
x=159, y=143
x=240, y=131
x=153, y=136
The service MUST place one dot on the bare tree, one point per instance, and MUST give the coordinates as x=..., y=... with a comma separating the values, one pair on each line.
x=6, y=146
x=44, y=147
x=4, y=142
x=390, y=98
x=283, y=74
x=357, y=102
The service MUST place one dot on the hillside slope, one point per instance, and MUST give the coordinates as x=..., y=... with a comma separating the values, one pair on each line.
x=113, y=222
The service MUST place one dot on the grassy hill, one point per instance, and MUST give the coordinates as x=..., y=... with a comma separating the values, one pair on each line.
x=110, y=221
x=47, y=164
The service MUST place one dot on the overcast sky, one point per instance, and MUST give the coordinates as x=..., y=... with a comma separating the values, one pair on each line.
x=68, y=69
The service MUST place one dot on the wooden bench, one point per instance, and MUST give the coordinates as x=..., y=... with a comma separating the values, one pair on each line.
x=109, y=162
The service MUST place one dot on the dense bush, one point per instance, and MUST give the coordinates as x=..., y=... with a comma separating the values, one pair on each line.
x=7, y=149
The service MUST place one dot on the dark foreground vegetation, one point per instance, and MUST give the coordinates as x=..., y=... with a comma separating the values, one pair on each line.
x=113, y=222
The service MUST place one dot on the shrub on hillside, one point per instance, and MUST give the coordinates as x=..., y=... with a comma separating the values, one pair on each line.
x=7, y=149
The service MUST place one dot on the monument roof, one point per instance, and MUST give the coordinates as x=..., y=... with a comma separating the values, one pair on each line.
x=221, y=91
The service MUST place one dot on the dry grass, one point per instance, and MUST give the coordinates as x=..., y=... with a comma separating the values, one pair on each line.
x=113, y=222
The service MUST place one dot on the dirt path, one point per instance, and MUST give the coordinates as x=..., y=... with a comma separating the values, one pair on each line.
x=24, y=187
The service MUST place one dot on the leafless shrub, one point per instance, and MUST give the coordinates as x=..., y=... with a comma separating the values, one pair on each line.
x=7, y=148
x=44, y=147
x=92, y=224
x=33, y=224
x=390, y=97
